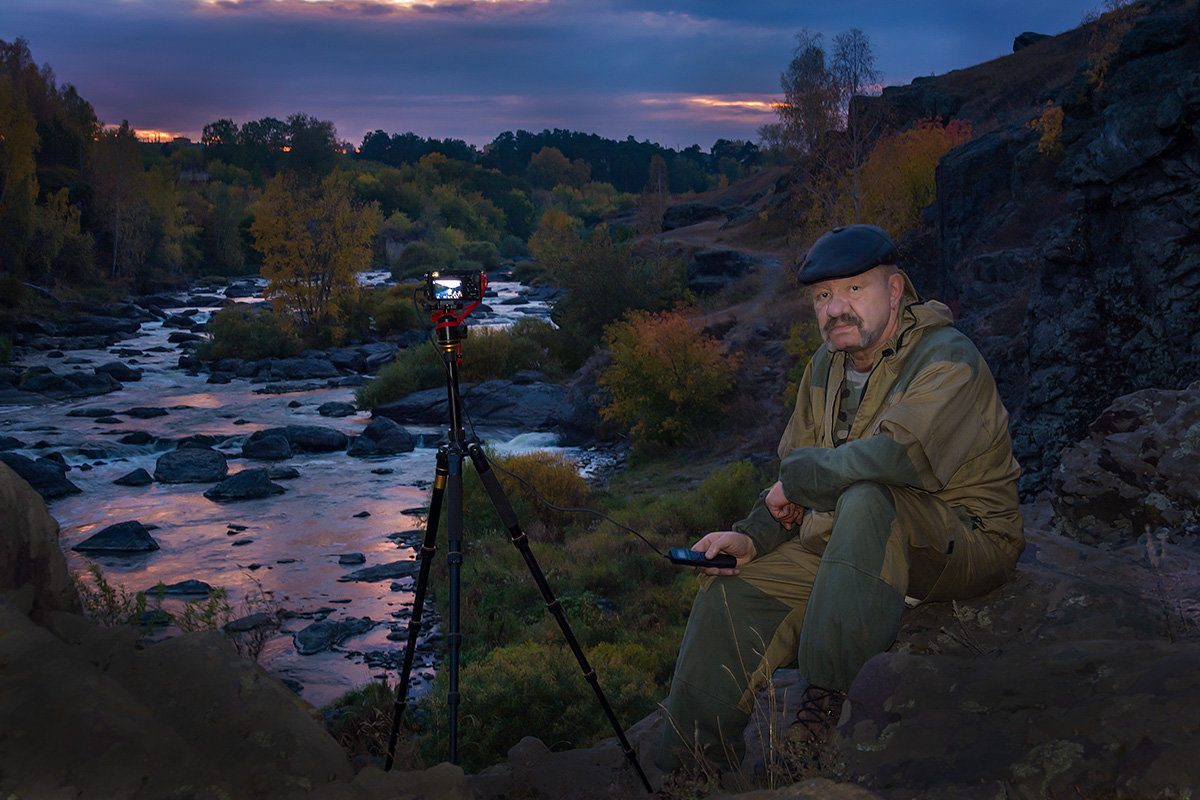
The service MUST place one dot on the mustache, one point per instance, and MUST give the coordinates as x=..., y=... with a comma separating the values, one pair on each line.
x=847, y=318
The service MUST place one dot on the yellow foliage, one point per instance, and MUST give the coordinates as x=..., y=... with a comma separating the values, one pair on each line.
x=1048, y=125
x=1106, y=31
x=667, y=378
x=898, y=175
x=314, y=240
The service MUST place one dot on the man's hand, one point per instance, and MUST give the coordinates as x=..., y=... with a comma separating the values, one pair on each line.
x=738, y=545
x=785, y=512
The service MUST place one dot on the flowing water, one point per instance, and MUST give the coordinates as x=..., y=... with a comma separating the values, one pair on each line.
x=285, y=548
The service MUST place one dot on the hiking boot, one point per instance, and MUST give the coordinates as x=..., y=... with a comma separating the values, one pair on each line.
x=803, y=749
x=817, y=717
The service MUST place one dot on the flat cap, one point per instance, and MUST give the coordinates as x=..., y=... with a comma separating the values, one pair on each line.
x=847, y=251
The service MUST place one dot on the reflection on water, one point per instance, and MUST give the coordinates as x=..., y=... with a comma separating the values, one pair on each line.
x=287, y=546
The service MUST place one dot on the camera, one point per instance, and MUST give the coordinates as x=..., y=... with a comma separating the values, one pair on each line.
x=447, y=291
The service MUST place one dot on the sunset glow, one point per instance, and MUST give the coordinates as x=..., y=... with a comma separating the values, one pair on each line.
x=370, y=6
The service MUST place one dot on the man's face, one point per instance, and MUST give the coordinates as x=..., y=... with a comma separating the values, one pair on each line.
x=859, y=313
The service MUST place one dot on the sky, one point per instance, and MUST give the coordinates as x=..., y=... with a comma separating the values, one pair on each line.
x=669, y=71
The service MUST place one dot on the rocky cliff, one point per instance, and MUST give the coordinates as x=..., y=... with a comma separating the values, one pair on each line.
x=1074, y=265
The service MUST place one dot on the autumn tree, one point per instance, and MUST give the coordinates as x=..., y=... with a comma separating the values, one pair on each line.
x=810, y=97
x=116, y=169
x=826, y=130
x=900, y=172
x=600, y=278
x=668, y=379
x=18, y=178
x=314, y=241
x=655, y=197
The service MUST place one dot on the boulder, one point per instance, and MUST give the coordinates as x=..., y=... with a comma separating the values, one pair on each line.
x=384, y=572
x=139, y=477
x=336, y=409
x=10, y=443
x=1026, y=38
x=306, y=438
x=1137, y=471
x=382, y=437
x=327, y=634
x=299, y=369
x=191, y=464
x=188, y=587
x=145, y=412
x=249, y=484
x=31, y=559
x=124, y=537
x=272, y=447
x=47, y=478
x=503, y=403
x=120, y=370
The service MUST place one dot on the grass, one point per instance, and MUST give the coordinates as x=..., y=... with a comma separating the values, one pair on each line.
x=625, y=604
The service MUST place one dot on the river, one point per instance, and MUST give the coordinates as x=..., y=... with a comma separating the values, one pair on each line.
x=285, y=549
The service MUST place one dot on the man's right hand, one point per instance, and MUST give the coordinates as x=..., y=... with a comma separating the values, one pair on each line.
x=785, y=512
x=738, y=545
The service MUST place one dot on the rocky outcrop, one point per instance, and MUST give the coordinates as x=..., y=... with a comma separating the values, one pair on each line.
x=29, y=550
x=531, y=405
x=1077, y=272
x=1137, y=472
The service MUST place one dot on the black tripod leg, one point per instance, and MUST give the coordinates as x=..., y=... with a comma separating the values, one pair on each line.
x=414, y=623
x=509, y=518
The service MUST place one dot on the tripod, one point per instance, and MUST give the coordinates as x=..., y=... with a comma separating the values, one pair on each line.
x=448, y=481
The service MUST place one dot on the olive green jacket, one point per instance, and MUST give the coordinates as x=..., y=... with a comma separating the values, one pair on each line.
x=930, y=418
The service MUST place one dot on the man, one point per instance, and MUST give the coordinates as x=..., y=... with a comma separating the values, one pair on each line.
x=896, y=481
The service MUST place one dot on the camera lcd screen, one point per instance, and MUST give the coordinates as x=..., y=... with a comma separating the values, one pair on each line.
x=447, y=289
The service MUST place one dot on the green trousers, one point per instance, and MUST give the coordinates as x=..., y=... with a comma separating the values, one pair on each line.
x=829, y=599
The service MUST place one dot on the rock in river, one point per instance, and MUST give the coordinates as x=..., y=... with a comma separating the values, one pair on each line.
x=124, y=537
x=328, y=633
x=248, y=484
x=383, y=437
x=47, y=478
x=190, y=464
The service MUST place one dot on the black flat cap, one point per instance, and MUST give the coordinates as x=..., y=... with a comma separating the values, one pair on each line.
x=845, y=252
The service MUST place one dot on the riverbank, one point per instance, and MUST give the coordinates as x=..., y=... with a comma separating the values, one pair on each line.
x=92, y=406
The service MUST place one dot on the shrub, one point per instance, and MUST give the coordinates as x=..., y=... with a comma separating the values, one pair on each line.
x=1048, y=126
x=418, y=257
x=667, y=378
x=900, y=171
x=542, y=476
x=501, y=352
x=535, y=688
x=361, y=721
x=6, y=350
x=804, y=338
x=485, y=254
x=414, y=369
x=513, y=247
x=391, y=310
x=239, y=332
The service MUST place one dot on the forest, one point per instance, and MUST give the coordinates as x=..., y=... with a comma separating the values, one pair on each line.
x=84, y=203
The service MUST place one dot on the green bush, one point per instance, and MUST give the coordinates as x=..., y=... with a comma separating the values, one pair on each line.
x=485, y=253
x=513, y=247
x=415, y=368
x=239, y=332
x=543, y=476
x=539, y=689
x=419, y=257
x=667, y=378
x=392, y=310
x=361, y=721
x=501, y=352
